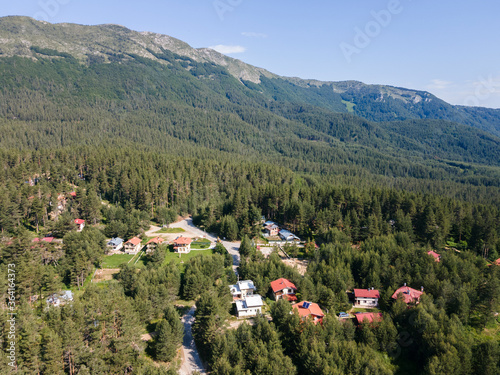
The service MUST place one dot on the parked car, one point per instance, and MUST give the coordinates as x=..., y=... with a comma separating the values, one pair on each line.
x=343, y=315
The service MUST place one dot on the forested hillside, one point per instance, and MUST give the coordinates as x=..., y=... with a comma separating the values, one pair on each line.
x=129, y=130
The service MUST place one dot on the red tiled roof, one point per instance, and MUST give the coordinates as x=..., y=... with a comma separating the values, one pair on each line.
x=313, y=309
x=497, y=262
x=290, y=297
x=134, y=241
x=366, y=293
x=182, y=241
x=435, y=255
x=409, y=294
x=156, y=240
x=281, y=284
x=73, y=194
x=44, y=239
x=368, y=317
x=79, y=221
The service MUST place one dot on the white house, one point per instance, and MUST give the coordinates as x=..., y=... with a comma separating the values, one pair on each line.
x=366, y=297
x=58, y=299
x=242, y=289
x=288, y=236
x=133, y=245
x=250, y=306
x=182, y=245
x=80, y=224
x=115, y=244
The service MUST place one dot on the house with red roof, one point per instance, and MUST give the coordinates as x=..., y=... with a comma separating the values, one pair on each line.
x=132, y=246
x=309, y=310
x=153, y=243
x=182, y=245
x=44, y=239
x=285, y=289
x=497, y=262
x=410, y=295
x=435, y=255
x=367, y=317
x=366, y=297
x=80, y=224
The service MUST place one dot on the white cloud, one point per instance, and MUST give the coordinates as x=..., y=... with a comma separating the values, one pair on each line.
x=254, y=35
x=439, y=84
x=483, y=92
x=228, y=49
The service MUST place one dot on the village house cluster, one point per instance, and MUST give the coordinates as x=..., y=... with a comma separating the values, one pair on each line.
x=117, y=245
x=249, y=304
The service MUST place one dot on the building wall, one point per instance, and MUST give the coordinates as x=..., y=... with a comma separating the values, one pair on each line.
x=250, y=312
x=360, y=301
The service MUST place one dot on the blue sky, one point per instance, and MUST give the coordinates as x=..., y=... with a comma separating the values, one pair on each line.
x=450, y=48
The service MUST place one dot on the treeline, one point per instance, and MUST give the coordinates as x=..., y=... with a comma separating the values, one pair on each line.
x=229, y=198
x=185, y=106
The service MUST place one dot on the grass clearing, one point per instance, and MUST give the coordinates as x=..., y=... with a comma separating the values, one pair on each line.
x=184, y=258
x=170, y=230
x=114, y=261
x=201, y=244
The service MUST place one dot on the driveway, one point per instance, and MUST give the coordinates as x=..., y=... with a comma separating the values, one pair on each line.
x=191, y=359
x=232, y=247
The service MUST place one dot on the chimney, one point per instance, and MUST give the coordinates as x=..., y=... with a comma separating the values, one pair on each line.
x=422, y=289
x=405, y=284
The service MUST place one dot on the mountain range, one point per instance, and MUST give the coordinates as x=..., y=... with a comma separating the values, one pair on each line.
x=68, y=84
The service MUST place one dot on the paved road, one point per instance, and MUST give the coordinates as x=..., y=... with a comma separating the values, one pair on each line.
x=191, y=358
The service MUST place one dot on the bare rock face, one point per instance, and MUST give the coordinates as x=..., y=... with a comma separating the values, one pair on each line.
x=19, y=34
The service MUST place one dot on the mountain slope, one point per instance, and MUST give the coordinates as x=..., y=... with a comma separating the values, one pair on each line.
x=159, y=99
x=18, y=36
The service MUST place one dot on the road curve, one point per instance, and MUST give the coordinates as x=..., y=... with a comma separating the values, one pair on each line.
x=232, y=247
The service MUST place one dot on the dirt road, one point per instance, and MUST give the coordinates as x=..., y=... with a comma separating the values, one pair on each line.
x=191, y=358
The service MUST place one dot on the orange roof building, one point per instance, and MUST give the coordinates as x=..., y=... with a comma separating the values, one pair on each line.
x=153, y=243
x=309, y=310
x=435, y=255
x=284, y=288
x=80, y=223
x=182, y=244
x=410, y=295
x=133, y=245
x=368, y=317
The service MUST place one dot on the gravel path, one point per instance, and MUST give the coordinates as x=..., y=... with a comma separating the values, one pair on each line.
x=191, y=360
